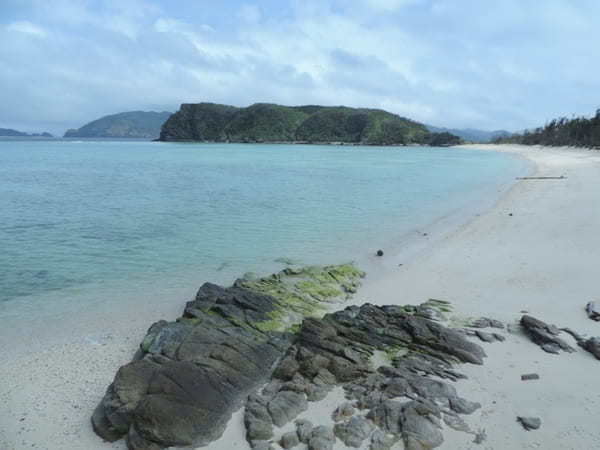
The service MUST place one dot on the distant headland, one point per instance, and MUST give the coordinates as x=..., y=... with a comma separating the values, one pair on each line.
x=271, y=123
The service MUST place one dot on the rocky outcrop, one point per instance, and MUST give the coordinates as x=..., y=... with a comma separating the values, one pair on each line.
x=190, y=375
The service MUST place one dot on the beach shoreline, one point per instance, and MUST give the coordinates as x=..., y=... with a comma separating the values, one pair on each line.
x=495, y=265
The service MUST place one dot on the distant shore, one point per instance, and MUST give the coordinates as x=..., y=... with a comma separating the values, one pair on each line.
x=534, y=250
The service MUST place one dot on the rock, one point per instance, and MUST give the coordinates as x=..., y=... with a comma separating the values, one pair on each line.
x=193, y=373
x=551, y=348
x=456, y=423
x=592, y=311
x=289, y=440
x=485, y=337
x=342, y=412
x=258, y=422
x=592, y=345
x=285, y=406
x=485, y=322
x=379, y=252
x=354, y=431
x=381, y=441
x=530, y=423
x=304, y=430
x=420, y=427
x=544, y=335
x=322, y=438
x=462, y=406
x=530, y=376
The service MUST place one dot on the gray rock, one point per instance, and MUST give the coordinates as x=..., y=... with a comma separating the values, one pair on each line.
x=544, y=335
x=485, y=322
x=381, y=441
x=322, y=438
x=304, y=430
x=456, y=422
x=485, y=337
x=592, y=311
x=342, y=412
x=462, y=406
x=289, y=440
x=258, y=422
x=354, y=431
x=530, y=423
x=592, y=345
x=530, y=376
x=285, y=406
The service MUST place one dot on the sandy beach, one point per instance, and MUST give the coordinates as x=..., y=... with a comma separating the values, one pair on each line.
x=535, y=250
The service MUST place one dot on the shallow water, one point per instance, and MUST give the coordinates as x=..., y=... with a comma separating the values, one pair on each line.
x=79, y=216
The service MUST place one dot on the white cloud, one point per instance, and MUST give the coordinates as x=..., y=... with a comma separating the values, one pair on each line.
x=27, y=28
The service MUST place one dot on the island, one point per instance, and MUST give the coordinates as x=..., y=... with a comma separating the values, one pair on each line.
x=8, y=132
x=131, y=124
x=312, y=124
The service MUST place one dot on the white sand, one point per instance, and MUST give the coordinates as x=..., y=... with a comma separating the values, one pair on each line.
x=543, y=259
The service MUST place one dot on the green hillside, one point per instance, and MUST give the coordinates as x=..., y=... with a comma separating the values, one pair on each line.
x=264, y=122
x=132, y=124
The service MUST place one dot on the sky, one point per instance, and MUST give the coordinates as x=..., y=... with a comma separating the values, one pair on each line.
x=504, y=64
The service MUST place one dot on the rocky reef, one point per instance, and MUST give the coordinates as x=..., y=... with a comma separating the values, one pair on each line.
x=269, y=344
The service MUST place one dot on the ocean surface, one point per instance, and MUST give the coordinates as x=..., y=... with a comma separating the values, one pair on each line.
x=83, y=220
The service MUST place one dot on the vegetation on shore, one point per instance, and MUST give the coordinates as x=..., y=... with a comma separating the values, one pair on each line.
x=263, y=122
x=577, y=132
x=132, y=124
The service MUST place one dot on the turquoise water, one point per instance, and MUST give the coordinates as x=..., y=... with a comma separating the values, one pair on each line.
x=99, y=213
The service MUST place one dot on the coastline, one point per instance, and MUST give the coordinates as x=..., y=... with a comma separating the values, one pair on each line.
x=55, y=389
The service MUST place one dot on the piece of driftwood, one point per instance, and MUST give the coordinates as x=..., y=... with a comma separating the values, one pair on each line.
x=562, y=177
x=592, y=311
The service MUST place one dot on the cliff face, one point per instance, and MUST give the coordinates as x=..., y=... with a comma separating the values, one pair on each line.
x=263, y=122
x=133, y=124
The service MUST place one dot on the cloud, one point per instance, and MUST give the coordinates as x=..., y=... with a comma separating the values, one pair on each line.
x=510, y=64
x=26, y=27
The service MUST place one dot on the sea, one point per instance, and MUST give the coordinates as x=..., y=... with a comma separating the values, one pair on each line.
x=82, y=222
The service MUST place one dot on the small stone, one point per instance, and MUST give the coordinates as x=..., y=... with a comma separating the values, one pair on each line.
x=530, y=423
x=530, y=376
x=379, y=252
x=289, y=440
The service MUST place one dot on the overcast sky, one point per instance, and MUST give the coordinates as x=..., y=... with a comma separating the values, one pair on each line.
x=498, y=64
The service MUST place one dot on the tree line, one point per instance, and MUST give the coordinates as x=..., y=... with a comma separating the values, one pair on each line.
x=577, y=132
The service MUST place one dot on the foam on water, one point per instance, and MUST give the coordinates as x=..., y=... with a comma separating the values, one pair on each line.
x=84, y=221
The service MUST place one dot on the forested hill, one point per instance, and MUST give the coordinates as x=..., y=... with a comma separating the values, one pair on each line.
x=132, y=124
x=578, y=132
x=263, y=122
